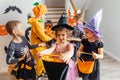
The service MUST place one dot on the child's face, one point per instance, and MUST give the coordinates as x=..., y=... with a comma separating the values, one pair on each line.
x=42, y=17
x=88, y=33
x=19, y=30
x=61, y=36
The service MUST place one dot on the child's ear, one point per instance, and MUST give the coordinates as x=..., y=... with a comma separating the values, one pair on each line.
x=14, y=32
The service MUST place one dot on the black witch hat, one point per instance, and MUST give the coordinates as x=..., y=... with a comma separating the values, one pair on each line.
x=63, y=22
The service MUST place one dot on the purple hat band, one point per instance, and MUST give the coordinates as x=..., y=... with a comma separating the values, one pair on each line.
x=95, y=31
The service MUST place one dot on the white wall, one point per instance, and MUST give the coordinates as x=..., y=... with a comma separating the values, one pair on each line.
x=69, y=6
x=110, y=25
x=55, y=3
x=26, y=7
x=79, y=4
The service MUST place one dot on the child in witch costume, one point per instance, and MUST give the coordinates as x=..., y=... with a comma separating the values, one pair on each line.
x=18, y=51
x=38, y=34
x=62, y=48
x=92, y=45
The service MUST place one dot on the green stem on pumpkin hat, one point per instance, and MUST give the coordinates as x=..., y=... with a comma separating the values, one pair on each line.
x=36, y=3
x=41, y=20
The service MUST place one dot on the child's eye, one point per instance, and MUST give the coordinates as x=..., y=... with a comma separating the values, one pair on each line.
x=86, y=32
x=58, y=35
x=63, y=34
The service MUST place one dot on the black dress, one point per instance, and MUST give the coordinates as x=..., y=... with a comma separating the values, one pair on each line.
x=26, y=68
x=88, y=47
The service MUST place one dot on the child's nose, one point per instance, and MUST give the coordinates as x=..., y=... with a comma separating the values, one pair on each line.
x=61, y=37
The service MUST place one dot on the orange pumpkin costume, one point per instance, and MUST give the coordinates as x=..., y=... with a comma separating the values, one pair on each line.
x=38, y=35
x=71, y=21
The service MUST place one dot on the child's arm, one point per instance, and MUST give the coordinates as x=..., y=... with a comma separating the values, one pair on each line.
x=47, y=51
x=36, y=45
x=74, y=39
x=99, y=55
x=10, y=59
x=80, y=50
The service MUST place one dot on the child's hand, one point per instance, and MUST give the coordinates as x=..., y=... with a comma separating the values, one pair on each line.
x=53, y=44
x=94, y=55
x=42, y=44
x=27, y=54
x=78, y=53
x=22, y=58
x=66, y=58
x=28, y=59
x=40, y=54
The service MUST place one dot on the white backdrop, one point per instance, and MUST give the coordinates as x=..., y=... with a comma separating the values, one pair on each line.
x=110, y=26
x=25, y=6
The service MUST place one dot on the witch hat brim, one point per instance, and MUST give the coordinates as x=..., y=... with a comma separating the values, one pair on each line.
x=63, y=23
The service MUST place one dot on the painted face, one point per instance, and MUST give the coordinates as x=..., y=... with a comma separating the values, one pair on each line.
x=20, y=31
x=88, y=33
x=61, y=36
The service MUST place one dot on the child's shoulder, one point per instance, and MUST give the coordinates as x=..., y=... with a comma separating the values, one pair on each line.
x=11, y=46
x=99, y=44
x=84, y=41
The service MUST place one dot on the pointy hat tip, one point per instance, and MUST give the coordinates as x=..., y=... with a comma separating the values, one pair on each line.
x=94, y=23
x=63, y=22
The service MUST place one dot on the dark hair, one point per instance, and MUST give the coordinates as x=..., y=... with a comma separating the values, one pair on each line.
x=10, y=25
x=48, y=23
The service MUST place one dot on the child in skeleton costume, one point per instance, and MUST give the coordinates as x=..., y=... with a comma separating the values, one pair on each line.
x=18, y=51
x=38, y=34
x=92, y=45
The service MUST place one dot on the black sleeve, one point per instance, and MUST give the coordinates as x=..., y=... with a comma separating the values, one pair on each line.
x=83, y=41
x=27, y=33
x=10, y=59
x=49, y=43
x=100, y=44
x=32, y=46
